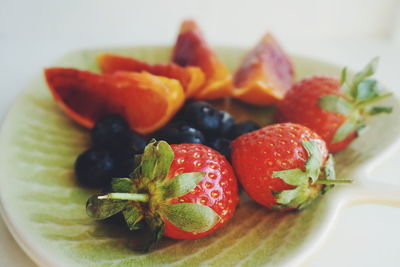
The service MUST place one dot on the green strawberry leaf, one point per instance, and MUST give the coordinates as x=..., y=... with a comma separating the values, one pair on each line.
x=311, y=194
x=181, y=184
x=348, y=126
x=380, y=109
x=330, y=173
x=350, y=88
x=373, y=100
x=306, y=191
x=123, y=185
x=366, y=72
x=100, y=209
x=165, y=157
x=132, y=216
x=366, y=90
x=314, y=162
x=295, y=177
x=298, y=198
x=155, y=161
x=286, y=197
x=329, y=168
x=343, y=76
x=191, y=217
x=336, y=104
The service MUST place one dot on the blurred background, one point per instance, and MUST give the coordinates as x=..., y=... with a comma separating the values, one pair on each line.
x=225, y=21
x=347, y=32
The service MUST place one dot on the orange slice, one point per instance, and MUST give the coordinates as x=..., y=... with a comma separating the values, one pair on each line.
x=146, y=101
x=264, y=75
x=191, y=78
x=192, y=50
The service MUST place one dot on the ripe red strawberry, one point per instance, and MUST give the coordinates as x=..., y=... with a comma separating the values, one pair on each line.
x=183, y=191
x=283, y=166
x=335, y=109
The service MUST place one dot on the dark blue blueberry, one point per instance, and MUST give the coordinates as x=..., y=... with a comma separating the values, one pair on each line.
x=138, y=143
x=222, y=145
x=124, y=162
x=112, y=132
x=242, y=128
x=227, y=122
x=95, y=168
x=204, y=117
x=180, y=135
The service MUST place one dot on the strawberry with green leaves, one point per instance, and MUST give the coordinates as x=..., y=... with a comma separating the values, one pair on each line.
x=283, y=166
x=183, y=191
x=335, y=109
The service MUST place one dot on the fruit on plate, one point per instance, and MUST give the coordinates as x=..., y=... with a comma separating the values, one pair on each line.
x=192, y=50
x=112, y=132
x=180, y=134
x=191, y=78
x=95, y=167
x=200, y=122
x=146, y=101
x=111, y=154
x=264, y=75
x=336, y=109
x=183, y=191
x=283, y=166
x=204, y=117
x=242, y=127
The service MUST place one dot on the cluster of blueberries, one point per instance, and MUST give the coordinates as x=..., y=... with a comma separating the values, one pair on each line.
x=114, y=144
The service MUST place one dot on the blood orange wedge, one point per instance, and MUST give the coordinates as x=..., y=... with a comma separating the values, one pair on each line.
x=146, y=101
x=192, y=50
x=191, y=78
x=264, y=75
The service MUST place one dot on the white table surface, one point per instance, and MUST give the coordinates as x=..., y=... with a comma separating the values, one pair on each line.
x=365, y=235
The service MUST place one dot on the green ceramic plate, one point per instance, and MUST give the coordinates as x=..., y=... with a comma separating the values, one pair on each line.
x=45, y=209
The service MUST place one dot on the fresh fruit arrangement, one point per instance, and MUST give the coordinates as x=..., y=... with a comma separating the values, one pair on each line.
x=169, y=161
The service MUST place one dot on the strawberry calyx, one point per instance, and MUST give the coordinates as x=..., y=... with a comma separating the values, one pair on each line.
x=146, y=197
x=318, y=177
x=359, y=94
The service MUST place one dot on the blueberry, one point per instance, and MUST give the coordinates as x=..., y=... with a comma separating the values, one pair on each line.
x=138, y=143
x=204, y=117
x=227, y=122
x=112, y=132
x=124, y=162
x=222, y=145
x=180, y=134
x=242, y=128
x=95, y=167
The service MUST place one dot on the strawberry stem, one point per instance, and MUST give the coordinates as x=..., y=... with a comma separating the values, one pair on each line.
x=126, y=196
x=325, y=181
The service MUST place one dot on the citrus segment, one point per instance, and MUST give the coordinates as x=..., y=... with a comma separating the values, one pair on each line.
x=192, y=50
x=146, y=101
x=191, y=78
x=264, y=75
